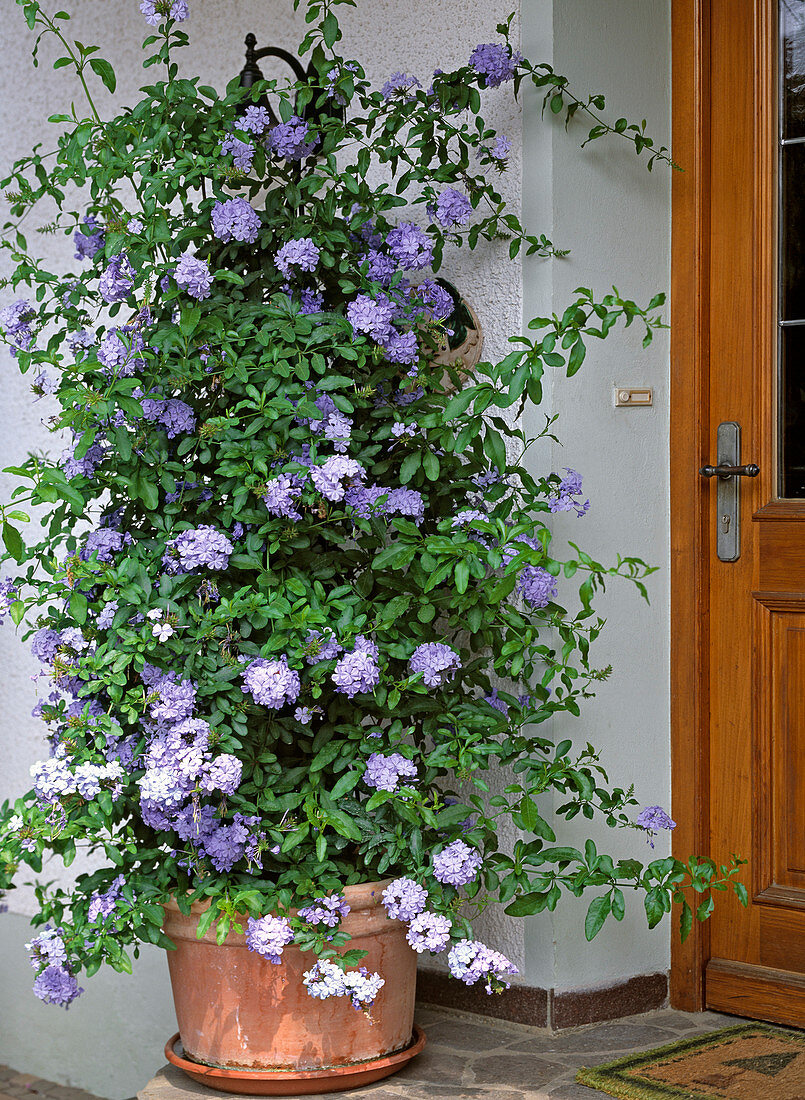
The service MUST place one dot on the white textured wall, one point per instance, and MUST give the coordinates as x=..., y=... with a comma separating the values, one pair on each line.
x=125, y=1018
x=615, y=217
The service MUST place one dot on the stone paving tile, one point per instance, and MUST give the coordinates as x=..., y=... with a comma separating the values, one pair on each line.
x=459, y=1035
x=523, y=1071
x=606, y=1037
x=467, y=1058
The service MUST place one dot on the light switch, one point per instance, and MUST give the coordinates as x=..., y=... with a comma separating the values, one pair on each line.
x=633, y=397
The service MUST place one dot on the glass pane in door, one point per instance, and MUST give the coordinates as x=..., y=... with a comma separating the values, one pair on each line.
x=791, y=252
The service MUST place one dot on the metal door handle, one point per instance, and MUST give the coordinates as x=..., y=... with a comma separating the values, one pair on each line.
x=724, y=471
x=728, y=473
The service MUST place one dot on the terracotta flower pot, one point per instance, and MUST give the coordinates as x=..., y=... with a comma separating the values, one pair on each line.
x=237, y=1010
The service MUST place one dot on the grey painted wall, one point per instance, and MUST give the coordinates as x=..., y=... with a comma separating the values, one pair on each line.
x=602, y=204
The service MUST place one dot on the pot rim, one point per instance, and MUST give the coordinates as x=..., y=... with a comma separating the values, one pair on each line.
x=360, y=896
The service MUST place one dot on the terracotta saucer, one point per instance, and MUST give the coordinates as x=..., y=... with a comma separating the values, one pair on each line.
x=294, y=1083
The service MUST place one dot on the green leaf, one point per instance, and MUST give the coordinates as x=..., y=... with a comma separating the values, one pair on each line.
x=12, y=540
x=527, y=904
x=685, y=921
x=78, y=607
x=529, y=813
x=459, y=404
x=105, y=71
x=410, y=465
x=206, y=920
x=330, y=31
x=596, y=915
x=462, y=577
x=430, y=464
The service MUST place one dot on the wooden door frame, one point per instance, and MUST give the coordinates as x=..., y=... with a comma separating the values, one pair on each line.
x=689, y=428
x=689, y=431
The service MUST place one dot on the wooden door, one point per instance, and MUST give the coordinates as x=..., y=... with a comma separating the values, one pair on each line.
x=738, y=354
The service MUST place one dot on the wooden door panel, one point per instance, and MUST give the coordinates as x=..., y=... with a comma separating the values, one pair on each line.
x=779, y=750
x=746, y=623
x=782, y=937
x=763, y=993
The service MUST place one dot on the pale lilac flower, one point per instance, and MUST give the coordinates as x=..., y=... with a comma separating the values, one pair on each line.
x=80, y=340
x=494, y=63
x=451, y=208
x=329, y=911
x=322, y=646
x=429, y=932
x=436, y=302
x=536, y=585
x=496, y=702
x=223, y=774
x=242, y=152
x=652, y=818
x=104, y=544
x=410, y=246
x=268, y=936
x=56, y=986
x=400, y=347
x=193, y=275
x=102, y=905
x=302, y=254
x=281, y=496
x=271, y=683
x=456, y=864
x=329, y=478
x=567, y=495
x=380, y=268
x=89, y=238
x=203, y=547
x=404, y=899
x=311, y=301
x=371, y=315
x=383, y=773
x=471, y=961
x=119, y=350
x=303, y=715
x=290, y=139
x=155, y=11
x=14, y=320
x=106, y=617
x=255, y=119
x=406, y=502
x=436, y=661
x=235, y=219
x=326, y=979
x=117, y=281
x=356, y=673
x=501, y=149
x=8, y=594
x=48, y=947
x=400, y=86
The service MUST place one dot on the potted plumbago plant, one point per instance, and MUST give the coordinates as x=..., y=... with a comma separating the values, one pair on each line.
x=295, y=595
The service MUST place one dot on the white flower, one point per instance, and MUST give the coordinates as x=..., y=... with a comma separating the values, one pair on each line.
x=163, y=631
x=154, y=614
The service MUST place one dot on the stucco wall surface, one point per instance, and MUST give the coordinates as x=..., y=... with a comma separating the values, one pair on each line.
x=129, y=1018
x=615, y=218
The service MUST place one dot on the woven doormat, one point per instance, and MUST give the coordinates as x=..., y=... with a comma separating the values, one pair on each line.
x=747, y=1062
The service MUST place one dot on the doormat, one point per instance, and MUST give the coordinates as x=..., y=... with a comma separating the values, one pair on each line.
x=737, y=1063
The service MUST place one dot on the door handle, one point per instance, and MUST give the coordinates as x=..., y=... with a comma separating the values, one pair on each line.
x=728, y=471
x=724, y=471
